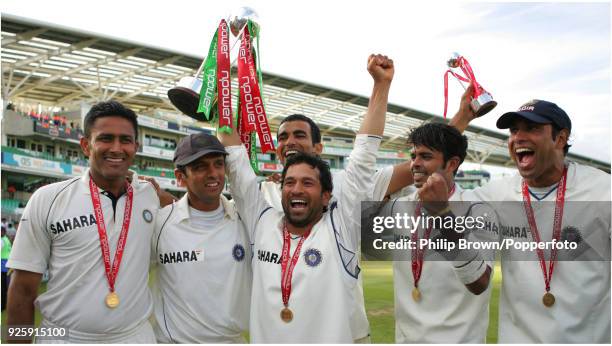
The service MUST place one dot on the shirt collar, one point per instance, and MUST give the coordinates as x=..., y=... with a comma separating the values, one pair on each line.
x=86, y=177
x=571, y=177
x=183, y=208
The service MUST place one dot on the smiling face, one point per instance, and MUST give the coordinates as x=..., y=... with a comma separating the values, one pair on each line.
x=111, y=148
x=426, y=161
x=303, y=198
x=536, y=154
x=204, y=179
x=293, y=137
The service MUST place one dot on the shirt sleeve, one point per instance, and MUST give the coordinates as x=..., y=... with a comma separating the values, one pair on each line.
x=245, y=191
x=382, y=178
x=32, y=248
x=356, y=187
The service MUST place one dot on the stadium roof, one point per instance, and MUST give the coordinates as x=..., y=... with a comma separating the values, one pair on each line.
x=56, y=66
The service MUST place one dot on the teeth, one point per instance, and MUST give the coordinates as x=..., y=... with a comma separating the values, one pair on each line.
x=290, y=152
x=113, y=160
x=298, y=201
x=212, y=184
x=523, y=150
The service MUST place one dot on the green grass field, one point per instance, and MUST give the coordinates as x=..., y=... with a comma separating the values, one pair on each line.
x=378, y=291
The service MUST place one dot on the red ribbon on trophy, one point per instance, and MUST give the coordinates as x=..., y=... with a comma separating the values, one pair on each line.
x=482, y=101
x=208, y=97
x=252, y=113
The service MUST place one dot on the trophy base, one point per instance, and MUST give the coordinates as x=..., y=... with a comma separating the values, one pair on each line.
x=483, y=104
x=186, y=98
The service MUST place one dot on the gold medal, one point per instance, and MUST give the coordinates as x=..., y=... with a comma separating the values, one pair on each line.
x=416, y=294
x=548, y=299
x=286, y=315
x=112, y=300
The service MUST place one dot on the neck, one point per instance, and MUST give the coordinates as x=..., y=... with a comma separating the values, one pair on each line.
x=550, y=177
x=297, y=230
x=201, y=205
x=114, y=186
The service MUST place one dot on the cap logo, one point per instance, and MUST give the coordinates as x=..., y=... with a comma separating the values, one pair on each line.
x=526, y=108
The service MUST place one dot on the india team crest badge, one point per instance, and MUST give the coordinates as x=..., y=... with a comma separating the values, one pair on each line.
x=238, y=252
x=147, y=215
x=312, y=257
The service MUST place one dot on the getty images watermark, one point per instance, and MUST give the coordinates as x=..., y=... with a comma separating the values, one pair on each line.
x=390, y=228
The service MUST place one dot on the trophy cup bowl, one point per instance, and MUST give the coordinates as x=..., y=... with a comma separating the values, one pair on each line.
x=185, y=96
x=239, y=20
x=453, y=61
x=483, y=104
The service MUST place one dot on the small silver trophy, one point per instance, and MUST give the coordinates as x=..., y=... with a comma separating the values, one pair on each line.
x=482, y=101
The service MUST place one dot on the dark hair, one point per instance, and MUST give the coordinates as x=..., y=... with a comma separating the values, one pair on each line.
x=107, y=109
x=325, y=176
x=555, y=132
x=440, y=137
x=315, y=132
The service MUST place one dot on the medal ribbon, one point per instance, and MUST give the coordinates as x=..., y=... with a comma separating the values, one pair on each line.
x=209, y=80
x=224, y=94
x=251, y=104
x=111, y=273
x=556, y=226
x=287, y=273
x=418, y=256
x=465, y=66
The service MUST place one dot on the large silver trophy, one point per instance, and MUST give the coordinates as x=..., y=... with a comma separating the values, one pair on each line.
x=185, y=96
x=482, y=101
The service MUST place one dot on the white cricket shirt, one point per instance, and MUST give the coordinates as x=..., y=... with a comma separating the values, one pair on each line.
x=322, y=298
x=203, y=285
x=447, y=311
x=581, y=313
x=382, y=178
x=58, y=232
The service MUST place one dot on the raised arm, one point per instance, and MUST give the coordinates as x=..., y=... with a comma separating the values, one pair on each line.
x=243, y=182
x=465, y=114
x=381, y=69
x=358, y=183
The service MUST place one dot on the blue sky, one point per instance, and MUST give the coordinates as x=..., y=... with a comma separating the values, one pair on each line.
x=519, y=51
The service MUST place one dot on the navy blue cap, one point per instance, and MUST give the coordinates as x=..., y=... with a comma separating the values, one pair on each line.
x=537, y=111
x=194, y=146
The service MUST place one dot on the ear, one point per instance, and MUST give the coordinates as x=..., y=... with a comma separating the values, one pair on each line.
x=180, y=177
x=318, y=148
x=84, y=142
x=562, y=139
x=326, y=196
x=452, y=164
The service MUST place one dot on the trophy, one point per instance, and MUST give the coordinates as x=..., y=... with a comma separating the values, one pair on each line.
x=185, y=96
x=482, y=101
x=207, y=96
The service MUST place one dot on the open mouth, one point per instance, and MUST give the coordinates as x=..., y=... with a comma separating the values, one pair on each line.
x=524, y=156
x=419, y=175
x=290, y=152
x=212, y=185
x=298, y=204
x=114, y=159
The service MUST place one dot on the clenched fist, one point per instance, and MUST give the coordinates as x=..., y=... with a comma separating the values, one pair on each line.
x=380, y=68
x=434, y=193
